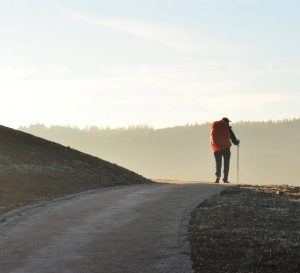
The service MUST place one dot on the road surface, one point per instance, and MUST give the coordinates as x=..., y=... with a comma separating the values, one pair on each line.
x=128, y=229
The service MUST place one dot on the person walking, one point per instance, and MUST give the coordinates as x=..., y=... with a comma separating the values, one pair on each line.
x=221, y=136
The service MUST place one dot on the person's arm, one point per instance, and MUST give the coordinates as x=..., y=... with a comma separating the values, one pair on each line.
x=234, y=140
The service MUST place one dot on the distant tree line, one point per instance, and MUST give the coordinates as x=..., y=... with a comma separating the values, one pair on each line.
x=269, y=151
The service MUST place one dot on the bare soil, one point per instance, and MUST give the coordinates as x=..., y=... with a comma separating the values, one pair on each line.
x=247, y=229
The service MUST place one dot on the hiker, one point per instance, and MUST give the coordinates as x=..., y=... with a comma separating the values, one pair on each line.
x=220, y=136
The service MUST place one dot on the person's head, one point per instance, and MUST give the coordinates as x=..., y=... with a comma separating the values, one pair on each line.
x=226, y=120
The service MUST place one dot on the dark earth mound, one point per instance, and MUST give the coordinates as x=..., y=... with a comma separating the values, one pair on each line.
x=33, y=169
x=248, y=229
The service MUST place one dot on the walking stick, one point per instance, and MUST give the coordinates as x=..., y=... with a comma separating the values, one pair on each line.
x=238, y=163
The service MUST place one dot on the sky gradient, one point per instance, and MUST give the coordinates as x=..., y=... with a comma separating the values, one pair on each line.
x=162, y=63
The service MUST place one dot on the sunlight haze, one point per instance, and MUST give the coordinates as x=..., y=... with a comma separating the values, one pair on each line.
x=162, y=63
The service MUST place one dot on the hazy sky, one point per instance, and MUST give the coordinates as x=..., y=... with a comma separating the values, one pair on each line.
x=156, y=62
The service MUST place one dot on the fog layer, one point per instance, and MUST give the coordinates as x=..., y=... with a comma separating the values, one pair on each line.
x=269, y=151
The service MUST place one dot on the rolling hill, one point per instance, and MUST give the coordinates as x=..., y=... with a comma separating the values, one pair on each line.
x=34, y=169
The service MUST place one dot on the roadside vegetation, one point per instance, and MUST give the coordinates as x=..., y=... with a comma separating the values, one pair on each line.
x=247, y=229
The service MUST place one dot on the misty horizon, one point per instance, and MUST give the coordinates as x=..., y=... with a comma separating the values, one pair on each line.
x=149, y=126
x=267, y=153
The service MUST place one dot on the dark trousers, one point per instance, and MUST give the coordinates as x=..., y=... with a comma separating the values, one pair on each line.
x=218, y=157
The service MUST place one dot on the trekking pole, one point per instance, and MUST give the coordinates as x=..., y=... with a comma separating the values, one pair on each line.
x=238, y=163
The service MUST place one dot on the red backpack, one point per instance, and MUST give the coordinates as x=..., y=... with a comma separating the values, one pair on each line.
x=220, y=135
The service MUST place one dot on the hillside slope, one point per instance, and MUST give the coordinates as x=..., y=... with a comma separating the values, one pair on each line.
x=34, y=169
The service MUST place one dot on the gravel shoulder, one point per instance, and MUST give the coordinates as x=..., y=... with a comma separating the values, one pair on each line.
x=247, y=229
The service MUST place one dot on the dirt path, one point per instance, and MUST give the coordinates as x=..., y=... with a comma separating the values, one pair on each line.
x=123, y=229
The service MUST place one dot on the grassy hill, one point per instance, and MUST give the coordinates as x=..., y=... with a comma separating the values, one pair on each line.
x=33, y=169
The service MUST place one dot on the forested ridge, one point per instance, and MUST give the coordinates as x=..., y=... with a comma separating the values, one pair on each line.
x=269, y=151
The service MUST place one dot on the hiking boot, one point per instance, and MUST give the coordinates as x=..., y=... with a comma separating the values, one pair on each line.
x=217, y=180
x=226, y=181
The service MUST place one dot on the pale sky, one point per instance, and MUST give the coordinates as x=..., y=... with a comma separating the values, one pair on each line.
x=157, y=62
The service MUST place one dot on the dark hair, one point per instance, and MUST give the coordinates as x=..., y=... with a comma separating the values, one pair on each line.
x=226, y=119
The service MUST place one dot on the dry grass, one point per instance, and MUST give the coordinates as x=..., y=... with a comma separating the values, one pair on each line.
x=248, y=229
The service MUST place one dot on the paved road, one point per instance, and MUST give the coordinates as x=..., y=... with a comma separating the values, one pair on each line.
x=140, y=228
